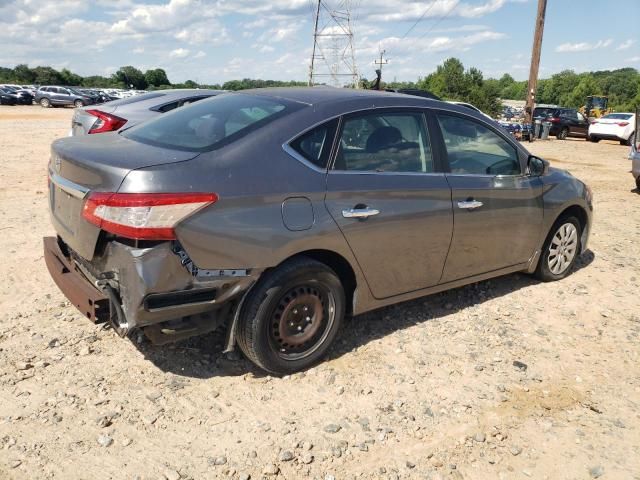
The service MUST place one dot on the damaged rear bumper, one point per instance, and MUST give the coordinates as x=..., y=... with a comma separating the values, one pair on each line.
x=155, y=288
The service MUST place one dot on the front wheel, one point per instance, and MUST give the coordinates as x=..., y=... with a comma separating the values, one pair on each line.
x=291, y=316
x=563, y=134
x=630, y=140
x=78, y=104
x=560, y=250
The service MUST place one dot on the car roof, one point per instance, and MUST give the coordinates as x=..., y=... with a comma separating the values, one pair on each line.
x=320, y=95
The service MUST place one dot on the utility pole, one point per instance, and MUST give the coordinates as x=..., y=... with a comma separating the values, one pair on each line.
x=379, y=63
x=333, y=56
x=535, y=64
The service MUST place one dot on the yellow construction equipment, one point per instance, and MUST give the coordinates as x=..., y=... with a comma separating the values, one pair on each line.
x=596, y=106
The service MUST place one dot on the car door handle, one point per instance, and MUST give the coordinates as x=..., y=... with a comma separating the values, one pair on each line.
x=361, y=213
x=470, y=204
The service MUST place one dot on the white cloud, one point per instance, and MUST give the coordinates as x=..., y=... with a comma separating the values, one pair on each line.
x=179, y=53
x=200, y=54
x=625, y=45
x=583, y=46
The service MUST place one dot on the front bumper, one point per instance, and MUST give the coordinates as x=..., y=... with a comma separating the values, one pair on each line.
x=139, y=287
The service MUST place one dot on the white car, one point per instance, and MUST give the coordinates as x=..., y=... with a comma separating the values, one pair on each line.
x=470, y=107
x=614, y=126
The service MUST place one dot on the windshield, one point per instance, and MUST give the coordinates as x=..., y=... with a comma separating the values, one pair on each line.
x=211, y=123
x=618, y=116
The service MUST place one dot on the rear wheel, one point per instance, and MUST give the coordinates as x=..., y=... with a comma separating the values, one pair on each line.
x=45, y=103
x=594, y=139
x=292, y=316
x=563, y=134
x=560, y=249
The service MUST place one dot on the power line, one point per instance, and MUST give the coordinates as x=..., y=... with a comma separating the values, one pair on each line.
x=455, y=5
x=420, y=19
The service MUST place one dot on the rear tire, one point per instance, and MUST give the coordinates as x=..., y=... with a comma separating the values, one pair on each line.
x=594, y=139
x=638, y=183
x=291, y=316
x=561, y=249
x=563, y=134
x=45, y=103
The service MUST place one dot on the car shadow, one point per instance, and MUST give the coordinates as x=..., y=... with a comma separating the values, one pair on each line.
x=203, y=357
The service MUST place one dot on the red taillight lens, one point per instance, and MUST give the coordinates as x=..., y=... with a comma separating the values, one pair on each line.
x=554, y=120
x=143, y=216
x=105, y=122
x=623, y=124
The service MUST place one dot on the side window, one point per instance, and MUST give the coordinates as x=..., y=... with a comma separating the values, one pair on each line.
x=474, y=149
x=385, y=142
x=315, y=145
x=581, y=117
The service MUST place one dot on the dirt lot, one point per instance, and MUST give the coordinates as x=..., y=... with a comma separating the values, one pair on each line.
x=427, y=389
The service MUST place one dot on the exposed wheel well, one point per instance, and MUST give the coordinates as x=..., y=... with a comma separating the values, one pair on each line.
x=343, y=269
x=578, y=212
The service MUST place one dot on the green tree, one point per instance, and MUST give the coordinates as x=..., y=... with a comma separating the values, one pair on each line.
x=69, y=78
x=130, y=77
x=156, y=77
x=23, y=74
x=47, y=76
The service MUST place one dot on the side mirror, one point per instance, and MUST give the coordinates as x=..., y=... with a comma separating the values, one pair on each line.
x=537, y=166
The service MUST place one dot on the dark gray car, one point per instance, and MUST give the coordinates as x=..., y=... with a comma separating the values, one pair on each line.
x=51, y=96
x=124, y=113
x=277, y=212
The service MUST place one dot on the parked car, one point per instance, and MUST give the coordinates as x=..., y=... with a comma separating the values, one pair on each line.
x=23, y=97
x=634, y=155
x=7, y=98
x=279, y=211
x=472, y=107
x=127, y=112
x=614, y=126
x=51, y=96
x=565, y=122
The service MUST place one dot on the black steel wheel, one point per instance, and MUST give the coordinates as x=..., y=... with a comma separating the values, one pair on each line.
x=291, y=317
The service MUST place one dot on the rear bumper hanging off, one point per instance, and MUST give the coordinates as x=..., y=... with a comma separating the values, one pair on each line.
x=81, y=293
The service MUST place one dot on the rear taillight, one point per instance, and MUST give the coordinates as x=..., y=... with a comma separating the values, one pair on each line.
x=593, y=122
x=623, y=124
x=554, y=120
x=143, y=216
x=105, y=122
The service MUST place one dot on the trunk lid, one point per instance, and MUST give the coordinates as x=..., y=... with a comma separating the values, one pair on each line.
x=80, y=165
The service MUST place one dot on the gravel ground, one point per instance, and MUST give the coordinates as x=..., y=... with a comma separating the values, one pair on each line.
x=504, y=379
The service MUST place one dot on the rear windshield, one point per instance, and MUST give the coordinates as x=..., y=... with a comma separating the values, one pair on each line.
x=543, y=111
x=210, y=123
x=135, y=99
x=618, y=116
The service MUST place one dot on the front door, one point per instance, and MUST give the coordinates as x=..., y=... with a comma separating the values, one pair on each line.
x=497, y=209
x=390, y=200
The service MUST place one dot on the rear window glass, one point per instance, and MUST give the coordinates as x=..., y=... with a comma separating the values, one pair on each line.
x=211, y=123
x=618, y=116
x=135, y=99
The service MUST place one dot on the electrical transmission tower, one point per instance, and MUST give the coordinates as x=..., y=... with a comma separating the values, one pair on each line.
x=333, y=59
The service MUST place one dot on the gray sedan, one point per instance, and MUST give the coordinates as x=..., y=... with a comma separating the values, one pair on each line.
x=277, y=212
x=125, y=113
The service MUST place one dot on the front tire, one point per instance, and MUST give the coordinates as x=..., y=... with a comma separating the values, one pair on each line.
x=594, y=139
x=630, y=140
x=291, y=316
x=561, y=250
x=45, y=103
x=563, y=134
x=78, y=104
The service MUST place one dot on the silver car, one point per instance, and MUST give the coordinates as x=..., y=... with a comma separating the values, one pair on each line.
x=124, y=113
x=277, y=212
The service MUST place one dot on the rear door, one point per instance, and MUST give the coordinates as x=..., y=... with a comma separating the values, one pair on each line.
x=578, y=124
x=389, y=196
x=497, y=209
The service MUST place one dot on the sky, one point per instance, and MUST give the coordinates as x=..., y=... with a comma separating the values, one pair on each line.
x=212, y=41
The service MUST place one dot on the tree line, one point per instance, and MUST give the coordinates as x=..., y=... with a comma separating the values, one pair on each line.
x=450, y=81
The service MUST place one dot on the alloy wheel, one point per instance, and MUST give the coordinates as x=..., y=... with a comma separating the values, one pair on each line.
x=563, y=248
